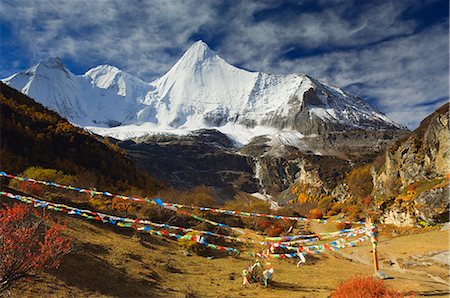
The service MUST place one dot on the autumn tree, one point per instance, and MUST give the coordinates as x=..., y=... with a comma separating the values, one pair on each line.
x=28, y=245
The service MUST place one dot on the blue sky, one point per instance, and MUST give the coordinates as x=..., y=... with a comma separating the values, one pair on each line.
x=392, y=53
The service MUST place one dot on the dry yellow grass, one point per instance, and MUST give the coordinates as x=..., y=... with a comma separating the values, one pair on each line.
x=110, y=261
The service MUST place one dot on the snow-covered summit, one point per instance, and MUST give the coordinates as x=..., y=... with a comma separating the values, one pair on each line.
x=103, y=96
x=200, y=91
x=53, y=85
x=197, y=53
x=131, y=88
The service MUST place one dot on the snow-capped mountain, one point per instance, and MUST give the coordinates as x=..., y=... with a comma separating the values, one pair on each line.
x=200, y=91
x=104, y=95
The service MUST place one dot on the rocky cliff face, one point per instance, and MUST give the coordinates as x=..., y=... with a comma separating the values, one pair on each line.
x=415, y=173
x=268, y=164
x=204, y=157
x=278, y=165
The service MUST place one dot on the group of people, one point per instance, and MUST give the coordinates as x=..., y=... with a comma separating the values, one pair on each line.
x=256, y=273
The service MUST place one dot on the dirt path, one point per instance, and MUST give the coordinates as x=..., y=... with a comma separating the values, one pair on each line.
x=407, y=259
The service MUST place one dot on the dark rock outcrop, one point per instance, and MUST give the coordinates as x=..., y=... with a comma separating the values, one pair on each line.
x=205, y=157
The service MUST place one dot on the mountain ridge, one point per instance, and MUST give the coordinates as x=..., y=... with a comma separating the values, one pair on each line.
x=200, y=91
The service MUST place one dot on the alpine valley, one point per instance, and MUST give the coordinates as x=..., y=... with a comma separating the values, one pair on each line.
x=206, y=122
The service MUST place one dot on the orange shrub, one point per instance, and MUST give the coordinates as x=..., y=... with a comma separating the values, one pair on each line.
x=343, y=225
x=274, y=231
x=30, y=188
x=264, y=224
x=316, y=213
x=354, y=212
x=367, y=287
x=27, y=246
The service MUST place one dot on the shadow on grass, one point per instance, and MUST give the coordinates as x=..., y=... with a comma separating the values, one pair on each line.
x=436, y=293
x=296, y=287
x=90, y=273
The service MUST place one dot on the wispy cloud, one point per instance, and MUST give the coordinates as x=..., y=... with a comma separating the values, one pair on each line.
x=136, y=37
x=406, y=77
x=385, y=51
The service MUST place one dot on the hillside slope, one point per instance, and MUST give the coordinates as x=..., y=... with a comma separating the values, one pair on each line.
x=115, y=263
x=31, y=135
x=406, y=184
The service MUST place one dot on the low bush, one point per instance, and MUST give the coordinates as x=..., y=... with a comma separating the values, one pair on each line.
x=49, y=175
x=316, y=213
x=343, y=225
x=367, y=287
x=30, y=188
x=27, y=245
x=274, y=231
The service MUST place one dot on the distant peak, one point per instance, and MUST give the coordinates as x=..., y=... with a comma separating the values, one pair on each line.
x=102, y=69
x=46, y=67
x=200, y=44
x=197, y=58
x=52, y=62
x=199, y=50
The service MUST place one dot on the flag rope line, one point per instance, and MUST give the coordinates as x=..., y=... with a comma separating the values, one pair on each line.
x=171, y=206
x=98, y=216
x=253, y=214
x=334, y=245
x=320, y=235
x=114, y=219
x=156, y=201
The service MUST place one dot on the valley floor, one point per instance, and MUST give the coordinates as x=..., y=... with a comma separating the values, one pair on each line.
x=112, y=262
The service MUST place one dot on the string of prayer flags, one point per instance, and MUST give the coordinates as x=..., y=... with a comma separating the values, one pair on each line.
x=128, y=223
x=103, y=217
x=173, y=206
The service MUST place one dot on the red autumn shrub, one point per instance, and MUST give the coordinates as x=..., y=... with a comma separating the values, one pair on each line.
x=31, y=188
x=316, y=213
x=274, y=231
x=343, y=225
x=27, y=245
x=264, y=224
x=367, y=287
